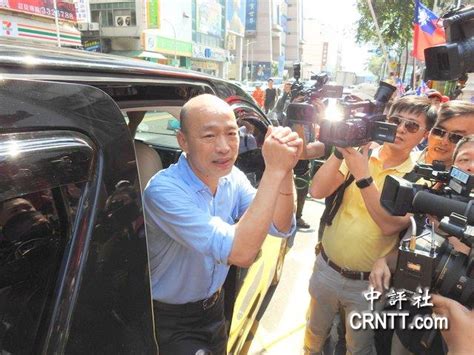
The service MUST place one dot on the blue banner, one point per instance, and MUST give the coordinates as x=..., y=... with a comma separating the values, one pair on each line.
x=251, y=16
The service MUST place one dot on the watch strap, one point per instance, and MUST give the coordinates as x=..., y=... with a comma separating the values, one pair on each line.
x=363, y=183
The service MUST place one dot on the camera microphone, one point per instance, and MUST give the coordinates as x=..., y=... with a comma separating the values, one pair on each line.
x=441, y=206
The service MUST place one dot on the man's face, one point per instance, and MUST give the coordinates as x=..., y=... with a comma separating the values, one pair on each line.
x=441, y=148
x=270, y=84
x=406, y=138
x=211, y=143
x=287, y=88
x=465, y=158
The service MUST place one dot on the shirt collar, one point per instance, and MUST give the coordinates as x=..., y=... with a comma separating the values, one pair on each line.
x=405, y=167
x=193, y=180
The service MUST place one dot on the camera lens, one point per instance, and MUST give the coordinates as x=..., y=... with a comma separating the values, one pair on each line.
x=450, y=277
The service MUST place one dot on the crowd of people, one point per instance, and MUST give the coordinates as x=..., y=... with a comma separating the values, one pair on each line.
x=203, y=215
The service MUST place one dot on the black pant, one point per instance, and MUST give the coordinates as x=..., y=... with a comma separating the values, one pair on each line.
x=302, y=188
x=182, y=330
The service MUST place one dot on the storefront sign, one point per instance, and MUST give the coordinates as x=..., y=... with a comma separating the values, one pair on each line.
x=153, y=13
x=66, y=10
x=68, y=37
x=168, y=46
x=251, y=16
x=203, y=52
x=82, y=11
x=92, y=46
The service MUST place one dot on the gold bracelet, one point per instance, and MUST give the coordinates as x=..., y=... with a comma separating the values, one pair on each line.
x=286, y=194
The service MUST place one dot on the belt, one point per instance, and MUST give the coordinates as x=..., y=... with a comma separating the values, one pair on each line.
x=353, y=275
x=201, y=305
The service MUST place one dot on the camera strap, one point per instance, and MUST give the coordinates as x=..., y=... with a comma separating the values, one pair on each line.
x=334, y=201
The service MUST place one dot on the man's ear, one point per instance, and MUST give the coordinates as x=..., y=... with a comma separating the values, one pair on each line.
x=183, y=143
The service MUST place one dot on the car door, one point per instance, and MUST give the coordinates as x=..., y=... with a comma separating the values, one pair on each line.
x=249, y=285
x=74, y=269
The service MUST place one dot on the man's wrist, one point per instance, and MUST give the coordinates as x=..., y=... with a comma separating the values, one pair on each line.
x=364, y=182
x=338, y=154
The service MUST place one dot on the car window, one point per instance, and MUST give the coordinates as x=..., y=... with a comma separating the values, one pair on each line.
x=36, y=219
x=159, y=126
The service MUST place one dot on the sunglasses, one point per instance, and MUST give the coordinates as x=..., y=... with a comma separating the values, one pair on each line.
x=452, y=137
x=411, y=126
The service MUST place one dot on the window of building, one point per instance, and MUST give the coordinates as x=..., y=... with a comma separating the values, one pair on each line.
x=119, y=14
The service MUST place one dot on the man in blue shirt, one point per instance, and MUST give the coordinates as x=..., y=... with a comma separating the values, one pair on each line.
x=203, y=215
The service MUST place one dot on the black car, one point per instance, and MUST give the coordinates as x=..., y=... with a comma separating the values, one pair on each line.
x=81, y=134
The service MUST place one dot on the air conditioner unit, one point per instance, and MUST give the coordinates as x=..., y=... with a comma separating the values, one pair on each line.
x=83, y=26
x=94, y=26
x=123, y=21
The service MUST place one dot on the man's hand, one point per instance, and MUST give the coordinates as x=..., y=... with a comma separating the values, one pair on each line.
x=380, y=275
x=281, y=149
x=357, y=162
x=460, y=321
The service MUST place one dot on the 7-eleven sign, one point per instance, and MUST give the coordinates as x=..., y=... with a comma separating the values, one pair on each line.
x=9, y=28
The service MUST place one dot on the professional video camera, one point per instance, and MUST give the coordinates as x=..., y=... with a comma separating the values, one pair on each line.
x=303, y=111
x=399, y=195
x=362, y=127
x=428, y=260
x=451, y=61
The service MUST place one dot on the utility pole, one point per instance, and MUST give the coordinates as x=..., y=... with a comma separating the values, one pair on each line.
x=56, y=21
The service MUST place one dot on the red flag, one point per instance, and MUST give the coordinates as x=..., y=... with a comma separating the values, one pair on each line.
x=428, y=31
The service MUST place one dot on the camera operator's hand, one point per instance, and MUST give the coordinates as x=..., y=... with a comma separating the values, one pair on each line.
x=357, y=161
x=460, y=321
x=380, y=275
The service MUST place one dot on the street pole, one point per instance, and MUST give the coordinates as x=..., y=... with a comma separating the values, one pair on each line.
x=174, y=35
x=247, y=62
x=251, y=62
x=56, y=21
x=379, y=33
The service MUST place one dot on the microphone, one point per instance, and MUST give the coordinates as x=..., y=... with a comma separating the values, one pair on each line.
x=441, y=206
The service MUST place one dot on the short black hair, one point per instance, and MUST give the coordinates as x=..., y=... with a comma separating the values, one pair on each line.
x=416, y=105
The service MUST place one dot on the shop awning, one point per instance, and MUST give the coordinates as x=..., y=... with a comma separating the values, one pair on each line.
x=153, y=55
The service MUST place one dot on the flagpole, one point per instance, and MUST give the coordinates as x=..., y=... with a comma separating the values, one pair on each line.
x=414, y=73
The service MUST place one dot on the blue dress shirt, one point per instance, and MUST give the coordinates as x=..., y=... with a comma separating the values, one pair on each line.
x=190, y=232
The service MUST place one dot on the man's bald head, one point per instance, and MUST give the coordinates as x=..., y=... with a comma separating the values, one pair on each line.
x=203, y=104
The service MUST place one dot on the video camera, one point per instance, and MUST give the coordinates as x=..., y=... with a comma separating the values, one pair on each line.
x=303, y=112
x=456, y=57
x=359, y=128
x=428, y=260
x=399, y=195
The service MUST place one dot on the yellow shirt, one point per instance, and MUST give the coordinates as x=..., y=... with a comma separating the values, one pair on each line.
x=354, y=241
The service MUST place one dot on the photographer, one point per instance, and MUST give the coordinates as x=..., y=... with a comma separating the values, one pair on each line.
x=456, y=118
x=362, y=231
x=311, y=149
x=458, y=337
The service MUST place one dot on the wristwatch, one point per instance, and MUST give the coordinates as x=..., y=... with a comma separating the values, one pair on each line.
x=338, y=154
x=363, y=183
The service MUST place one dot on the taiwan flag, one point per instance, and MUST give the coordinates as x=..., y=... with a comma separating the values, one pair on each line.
x=428, y=31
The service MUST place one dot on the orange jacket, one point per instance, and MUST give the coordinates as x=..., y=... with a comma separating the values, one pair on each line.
x=258, y=95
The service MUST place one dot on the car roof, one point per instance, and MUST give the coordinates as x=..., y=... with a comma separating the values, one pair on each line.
x=15, y=53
